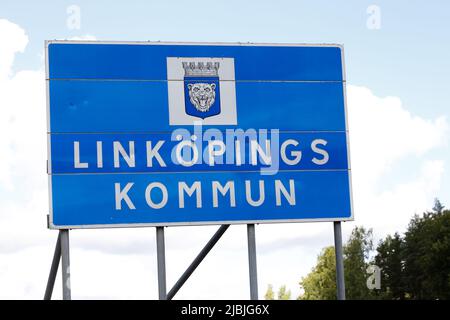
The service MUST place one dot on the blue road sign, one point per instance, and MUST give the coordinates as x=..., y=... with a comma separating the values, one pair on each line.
x=147, y=134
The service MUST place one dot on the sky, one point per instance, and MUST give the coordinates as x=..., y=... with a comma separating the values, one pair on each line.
x=397, y=67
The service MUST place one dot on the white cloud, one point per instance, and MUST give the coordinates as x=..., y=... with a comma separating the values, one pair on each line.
x=14, y=40
x=122, y=263
x=383, y=134
x=391, y=209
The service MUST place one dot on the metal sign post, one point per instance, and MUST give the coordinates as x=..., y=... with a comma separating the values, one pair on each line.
x=340, y=280
x=65, y=259
x=252, y=262
x=161, y=257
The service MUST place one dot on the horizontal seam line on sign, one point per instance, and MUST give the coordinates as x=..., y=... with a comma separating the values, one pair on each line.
x=183, y=127
x=197, y=172
x=181, y=80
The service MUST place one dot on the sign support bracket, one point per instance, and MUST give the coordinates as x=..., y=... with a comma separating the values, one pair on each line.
x=61, y=253
x=203, y=253
x=53, y=269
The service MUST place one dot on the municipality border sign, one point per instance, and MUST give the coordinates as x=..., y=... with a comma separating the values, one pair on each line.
x=152, y=134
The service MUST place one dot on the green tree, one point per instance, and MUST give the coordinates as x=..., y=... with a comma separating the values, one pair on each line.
x=415, y=266
x=427, y=255
x=270, y=295
x=390, y=259
x=320, y=283
x=356, y=256
x=283, y=293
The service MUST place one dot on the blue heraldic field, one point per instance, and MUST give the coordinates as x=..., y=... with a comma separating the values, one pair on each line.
x=202, y=89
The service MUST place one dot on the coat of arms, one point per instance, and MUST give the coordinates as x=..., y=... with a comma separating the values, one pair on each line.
x=201, y=89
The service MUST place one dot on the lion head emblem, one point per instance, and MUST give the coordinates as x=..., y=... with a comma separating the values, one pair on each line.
x=202, y=95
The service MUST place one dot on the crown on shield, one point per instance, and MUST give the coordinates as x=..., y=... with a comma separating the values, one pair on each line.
x=201, y=69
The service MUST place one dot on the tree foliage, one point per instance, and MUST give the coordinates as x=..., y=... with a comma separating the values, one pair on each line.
x=390, y=260
x=427, y=256
x=270, y=295
x=356, y=255
x=283, y=293
x=320, y=283
x=413, y=266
